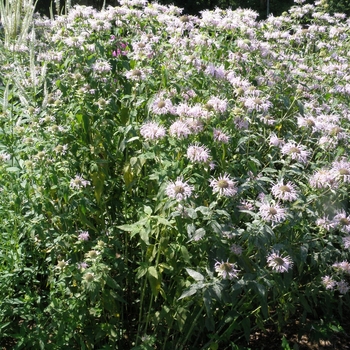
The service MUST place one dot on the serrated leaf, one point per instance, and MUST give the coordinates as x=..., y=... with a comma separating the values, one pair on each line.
x=222, y=212
x=203, y=210
x=135, y=227
x=191, y=213
x=163, y=221
x=112, y=283
x=200, y=233
x=188, y=292
x=217, y=291
x=266, y=179
x=129, y=228
x=195, y=275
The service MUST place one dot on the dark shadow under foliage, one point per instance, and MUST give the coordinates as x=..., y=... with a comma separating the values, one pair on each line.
x=263, y=7
x=276, y=7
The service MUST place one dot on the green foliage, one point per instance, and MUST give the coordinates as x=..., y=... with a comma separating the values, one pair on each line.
x=339, y=6
x=171, y=181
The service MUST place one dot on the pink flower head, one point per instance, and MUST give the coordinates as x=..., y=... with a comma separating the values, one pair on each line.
x=179, y=189
x=328, y=282
x=84, y=235
x=224, y=186
x=286, y=192
x=272, y=213
x=226, y=270
x=198, y=154
x=279, y=263
x=152, y=131
x=78, y=182
x=296, y=152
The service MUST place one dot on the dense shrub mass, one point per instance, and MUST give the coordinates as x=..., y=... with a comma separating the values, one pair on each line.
x=171, y=181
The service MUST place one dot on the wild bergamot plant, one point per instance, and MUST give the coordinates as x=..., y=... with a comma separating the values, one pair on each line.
x=171, y=180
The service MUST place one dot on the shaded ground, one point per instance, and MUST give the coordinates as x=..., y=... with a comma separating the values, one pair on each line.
x=295, y=339
x=315, y=340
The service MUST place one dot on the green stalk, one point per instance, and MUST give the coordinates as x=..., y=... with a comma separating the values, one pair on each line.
x=229, y=329
x=152, y=296
x=140, y=314
x=167, y=334
x=191, y=328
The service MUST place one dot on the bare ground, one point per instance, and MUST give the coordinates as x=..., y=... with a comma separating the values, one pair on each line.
x=272, y=340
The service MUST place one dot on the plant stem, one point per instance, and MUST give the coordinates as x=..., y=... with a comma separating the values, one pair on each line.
x=191, y=328
x=140, y=314
x=153, y=296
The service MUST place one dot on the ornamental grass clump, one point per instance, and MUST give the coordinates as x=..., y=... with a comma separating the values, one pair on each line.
x=173, y=182
x=16, y=19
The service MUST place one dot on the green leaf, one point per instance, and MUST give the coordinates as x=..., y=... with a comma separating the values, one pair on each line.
x=141, y=271
x=135, y=227
x=209, y=321
x=204, y=210
x=147, y=210
x=246, y=328
x=164, y=77
x=13, y=169
x=261, y=289
x=200, y=233
x=4, y=325
x=195, y=275
x=112, y=283
x=128, y=175
x=285, y=344
x=155, y=284
x=98, y=180
x=300, y=107
x=305, y=304
x=246, y=263
x=188, y=292
x=191, y=229
x=163, y=221
x=129, y=228
x=153, y=272
x=185, y=255
x=132, y=139
x=124, y=115
x=269, y=170
x=304, y=249
x=265, y=179
x=217, y=289
x=191, y=213
x=144, y=235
